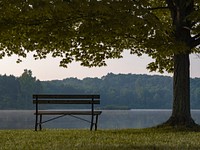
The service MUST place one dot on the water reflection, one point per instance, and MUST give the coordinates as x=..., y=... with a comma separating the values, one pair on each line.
x=109, y=119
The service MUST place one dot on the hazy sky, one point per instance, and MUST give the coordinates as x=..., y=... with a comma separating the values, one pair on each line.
x=48, y=69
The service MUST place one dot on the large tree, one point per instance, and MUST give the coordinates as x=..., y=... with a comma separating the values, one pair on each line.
x=91, y=31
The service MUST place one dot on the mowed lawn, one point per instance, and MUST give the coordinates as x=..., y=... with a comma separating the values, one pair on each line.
x=64, y=139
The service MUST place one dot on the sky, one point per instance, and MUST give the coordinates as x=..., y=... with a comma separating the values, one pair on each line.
x=48, y=69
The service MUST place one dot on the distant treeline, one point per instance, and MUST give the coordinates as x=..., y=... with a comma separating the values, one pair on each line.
x=118, y=91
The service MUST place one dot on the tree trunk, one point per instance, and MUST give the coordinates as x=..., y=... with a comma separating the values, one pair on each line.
x=181, y=115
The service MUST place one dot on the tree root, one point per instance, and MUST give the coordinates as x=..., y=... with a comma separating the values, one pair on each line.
x=180, y=123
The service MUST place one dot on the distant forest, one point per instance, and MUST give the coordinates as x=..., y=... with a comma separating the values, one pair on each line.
x=118, y=91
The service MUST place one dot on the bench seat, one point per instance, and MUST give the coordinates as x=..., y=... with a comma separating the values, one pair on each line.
x=67, y=112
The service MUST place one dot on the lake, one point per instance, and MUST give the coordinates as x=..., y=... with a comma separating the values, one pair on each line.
x=109, y=119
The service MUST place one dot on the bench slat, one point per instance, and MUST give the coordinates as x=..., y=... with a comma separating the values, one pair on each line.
x=45, y=96
x=67, y=101
x=70, y=112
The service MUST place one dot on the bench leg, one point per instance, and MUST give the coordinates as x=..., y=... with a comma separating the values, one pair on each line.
x=92, y=123
x=40, y=124
x=96, y=122
x=36, y=122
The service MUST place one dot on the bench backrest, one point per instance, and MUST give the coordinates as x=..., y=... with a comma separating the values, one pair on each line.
x=66, y=99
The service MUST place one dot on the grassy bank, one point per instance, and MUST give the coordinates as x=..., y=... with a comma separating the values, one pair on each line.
x=102, y=139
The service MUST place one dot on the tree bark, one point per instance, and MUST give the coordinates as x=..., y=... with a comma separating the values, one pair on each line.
x=181, y=114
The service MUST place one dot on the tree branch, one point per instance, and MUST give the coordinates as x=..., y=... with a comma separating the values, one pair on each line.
x=195, y=41
x=196, y=36
x=156, y=8
x=170, y=3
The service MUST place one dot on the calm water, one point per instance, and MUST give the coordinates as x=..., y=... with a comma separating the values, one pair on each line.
x=109, y=119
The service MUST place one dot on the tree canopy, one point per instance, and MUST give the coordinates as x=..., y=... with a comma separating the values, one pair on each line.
x=91, y=31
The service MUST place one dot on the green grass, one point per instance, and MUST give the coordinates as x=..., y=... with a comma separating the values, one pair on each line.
x=59, y=139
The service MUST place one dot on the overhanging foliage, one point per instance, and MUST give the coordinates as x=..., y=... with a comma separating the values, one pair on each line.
x=91, y=31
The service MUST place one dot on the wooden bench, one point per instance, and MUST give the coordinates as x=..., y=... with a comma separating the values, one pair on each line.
x=66, y=99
